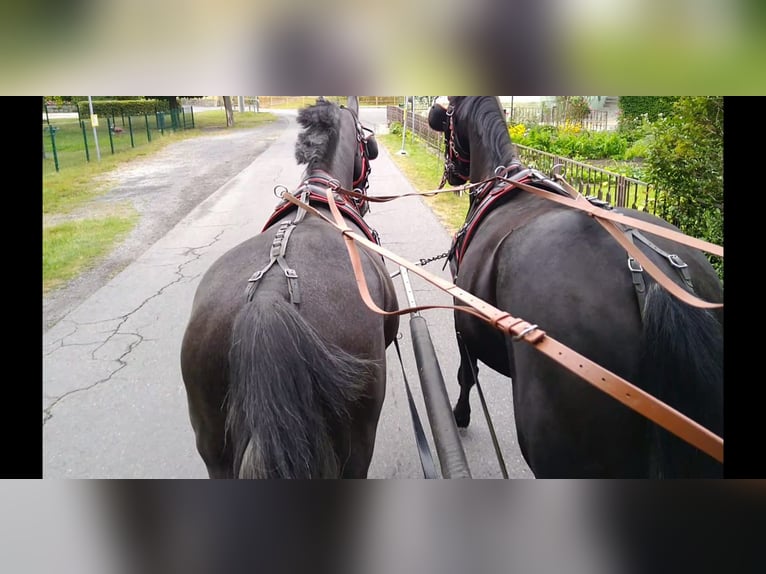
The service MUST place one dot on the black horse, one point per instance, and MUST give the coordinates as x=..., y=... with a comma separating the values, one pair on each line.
x=556, y=267
x=284, y=365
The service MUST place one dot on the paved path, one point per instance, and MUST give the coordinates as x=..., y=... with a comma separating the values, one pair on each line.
x=114, y=403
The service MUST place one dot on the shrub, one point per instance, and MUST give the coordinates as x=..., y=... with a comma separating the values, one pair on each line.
x=634, y=108
x=685, y=158
x=395, y=128
x=122, y=107
x=574, y=143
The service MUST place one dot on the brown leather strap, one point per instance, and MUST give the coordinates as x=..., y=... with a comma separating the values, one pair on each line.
x=624, y=219
x=647, y=264
x=385, y=198
x=615, y=386
x=587, y=206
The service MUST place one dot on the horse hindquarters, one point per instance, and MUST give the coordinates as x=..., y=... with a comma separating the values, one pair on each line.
x=293, y=397
x=682, y=365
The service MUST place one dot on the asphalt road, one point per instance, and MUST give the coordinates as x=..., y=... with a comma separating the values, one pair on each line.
x=114, y=405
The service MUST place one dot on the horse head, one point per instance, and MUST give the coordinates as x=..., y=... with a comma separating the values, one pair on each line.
x=457, y=156
x=335, y=143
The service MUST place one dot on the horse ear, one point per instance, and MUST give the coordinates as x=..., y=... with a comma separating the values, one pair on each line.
x=353, y=104
x=372, y=146
x=438, y=119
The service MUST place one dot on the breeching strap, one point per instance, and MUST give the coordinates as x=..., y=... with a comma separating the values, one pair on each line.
x=608, y=382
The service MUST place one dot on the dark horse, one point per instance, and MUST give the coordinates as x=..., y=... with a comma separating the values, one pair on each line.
x=283, y=363
x=556, y=267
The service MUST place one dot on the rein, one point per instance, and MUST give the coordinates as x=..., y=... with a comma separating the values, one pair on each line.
x=520, y=330
x=606, y=218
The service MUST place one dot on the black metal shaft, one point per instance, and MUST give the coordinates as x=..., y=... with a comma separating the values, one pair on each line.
x=449, y=446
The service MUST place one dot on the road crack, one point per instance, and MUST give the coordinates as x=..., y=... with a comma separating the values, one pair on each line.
x=192, y=254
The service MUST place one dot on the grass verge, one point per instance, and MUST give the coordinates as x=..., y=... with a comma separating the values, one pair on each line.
x=72, y=246
x=423, y=167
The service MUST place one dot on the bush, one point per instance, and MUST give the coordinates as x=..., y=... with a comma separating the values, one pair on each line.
x=685, y=158
x=122, y=107
x=633, y=109
x=573, y=143
x=395, y=128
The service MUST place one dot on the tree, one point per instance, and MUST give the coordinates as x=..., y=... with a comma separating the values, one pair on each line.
x=229, y=111
x=685, y=160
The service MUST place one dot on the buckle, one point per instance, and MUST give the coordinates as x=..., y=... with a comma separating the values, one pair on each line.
x=637, y=269
x=290, y=273
x=256, y=276
x=676, y=261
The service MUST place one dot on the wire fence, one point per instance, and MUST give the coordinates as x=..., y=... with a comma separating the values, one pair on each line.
x=71, y=141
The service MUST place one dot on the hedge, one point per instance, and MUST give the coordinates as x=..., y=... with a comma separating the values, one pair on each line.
x=635, y=106
x=113, y=108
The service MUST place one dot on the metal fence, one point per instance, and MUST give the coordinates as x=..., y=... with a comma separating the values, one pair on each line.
x=596, y=120
x=616, y=189
x=70, y=141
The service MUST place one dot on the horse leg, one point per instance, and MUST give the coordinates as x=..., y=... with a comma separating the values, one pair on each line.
x=209, y=430
x=465, y=375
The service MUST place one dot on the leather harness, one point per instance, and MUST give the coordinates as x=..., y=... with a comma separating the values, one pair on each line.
x=311, y=191
x=491, y=195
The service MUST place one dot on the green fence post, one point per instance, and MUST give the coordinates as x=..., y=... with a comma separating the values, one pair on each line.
x=148, y=132
x=130, y=128
x=52, y=130
x=158, y=118
x=191, y=111
x=109, y=129
x=85, y=137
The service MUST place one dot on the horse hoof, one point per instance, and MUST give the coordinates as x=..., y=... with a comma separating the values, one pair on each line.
x=462, y=420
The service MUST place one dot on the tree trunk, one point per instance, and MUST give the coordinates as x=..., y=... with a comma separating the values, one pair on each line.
x=229, y=111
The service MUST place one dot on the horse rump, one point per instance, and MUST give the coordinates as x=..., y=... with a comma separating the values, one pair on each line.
x=291, y=395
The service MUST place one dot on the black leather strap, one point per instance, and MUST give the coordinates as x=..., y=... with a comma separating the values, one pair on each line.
x=424, y=451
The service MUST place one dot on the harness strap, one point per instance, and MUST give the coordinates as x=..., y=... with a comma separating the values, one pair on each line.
x=637, y=274
x=424, y=451
x=277, y=255
x=675, y=261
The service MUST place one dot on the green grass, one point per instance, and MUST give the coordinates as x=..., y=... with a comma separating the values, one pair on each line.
x=72, y=246
x=424, y=168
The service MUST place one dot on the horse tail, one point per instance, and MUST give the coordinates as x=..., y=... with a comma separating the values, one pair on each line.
x=682, y=365
x=290, y=393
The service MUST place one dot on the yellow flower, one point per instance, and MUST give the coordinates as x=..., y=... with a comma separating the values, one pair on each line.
x=571, y=127
x=517, y=131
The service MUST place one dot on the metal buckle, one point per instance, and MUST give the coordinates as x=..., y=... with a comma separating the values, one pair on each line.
x=256, y=276
x=631, y=261
x=290, y=273
x=525, y=332
x=676, y=261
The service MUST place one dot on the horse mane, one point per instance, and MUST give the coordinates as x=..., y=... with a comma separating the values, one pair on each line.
x=321, y=127
x=490, y=126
